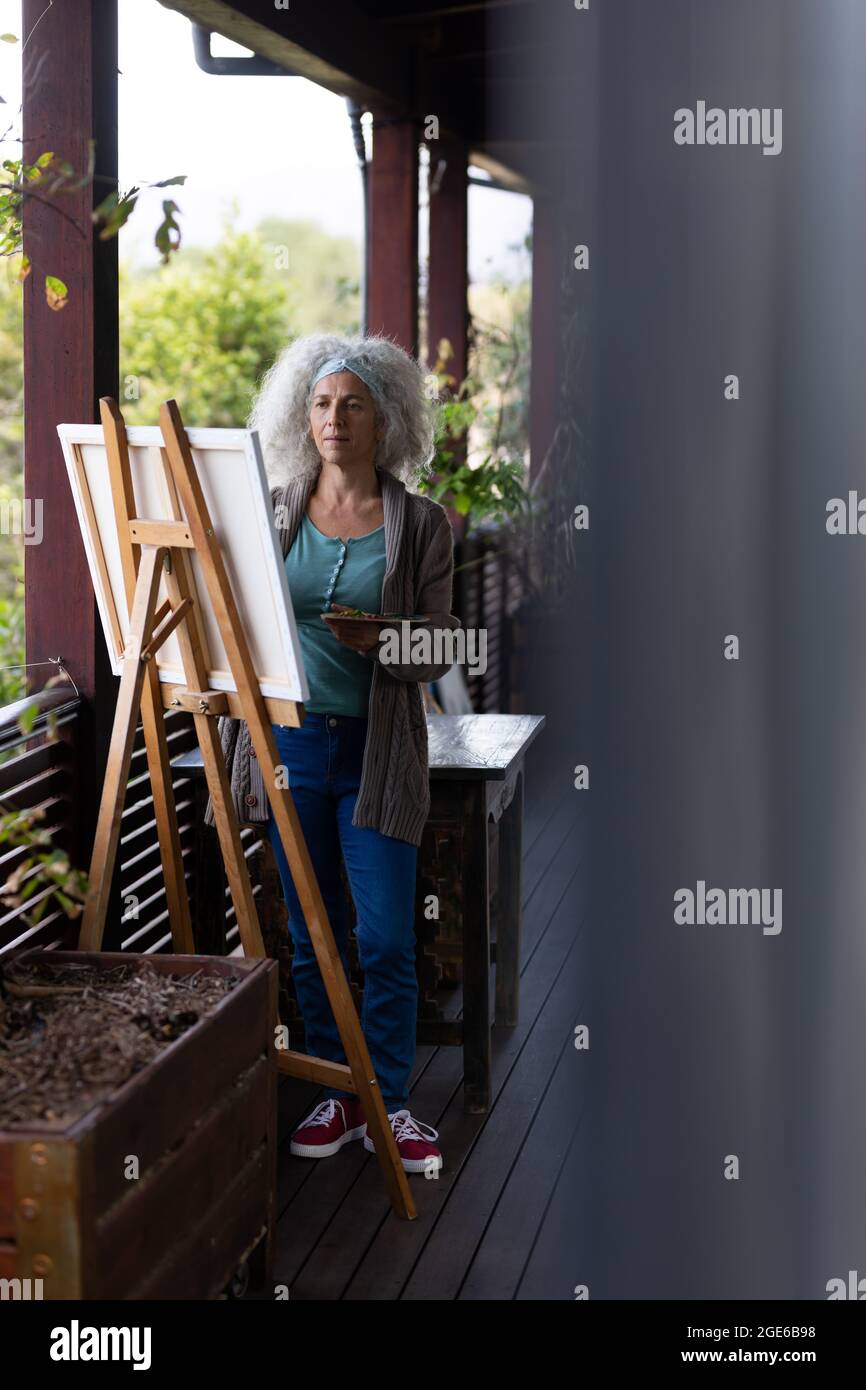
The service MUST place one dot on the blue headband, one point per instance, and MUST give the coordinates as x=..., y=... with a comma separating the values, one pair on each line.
x=350, y=364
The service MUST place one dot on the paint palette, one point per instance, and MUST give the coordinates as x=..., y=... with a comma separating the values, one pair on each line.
x=340, y=617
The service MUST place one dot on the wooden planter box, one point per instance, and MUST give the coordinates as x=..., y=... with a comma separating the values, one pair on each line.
x=201, y=1120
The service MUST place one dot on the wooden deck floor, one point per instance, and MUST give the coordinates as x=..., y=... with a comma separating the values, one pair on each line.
x=487, y=1226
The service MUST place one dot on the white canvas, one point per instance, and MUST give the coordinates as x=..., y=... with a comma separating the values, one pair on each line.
x=232, y=476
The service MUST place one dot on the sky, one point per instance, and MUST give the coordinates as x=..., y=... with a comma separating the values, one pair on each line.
x=272, y=146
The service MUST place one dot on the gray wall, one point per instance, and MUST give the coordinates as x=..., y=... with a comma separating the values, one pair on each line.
x=708, y=518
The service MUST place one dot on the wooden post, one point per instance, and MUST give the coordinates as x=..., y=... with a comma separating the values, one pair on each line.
x=544, y=382
x=70, y=356
x=448, y=284
x=448, y=280
x=392, y=251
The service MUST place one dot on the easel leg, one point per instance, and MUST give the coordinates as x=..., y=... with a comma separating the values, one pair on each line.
x=120, y=753
x=152, y=717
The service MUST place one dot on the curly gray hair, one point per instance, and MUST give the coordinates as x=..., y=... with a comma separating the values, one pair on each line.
x=405, y=413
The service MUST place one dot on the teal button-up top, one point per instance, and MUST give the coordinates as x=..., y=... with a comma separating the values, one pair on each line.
x=322, y=570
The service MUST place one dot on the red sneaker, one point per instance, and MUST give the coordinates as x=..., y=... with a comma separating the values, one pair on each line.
x=414, y=1143
x=326, y=1129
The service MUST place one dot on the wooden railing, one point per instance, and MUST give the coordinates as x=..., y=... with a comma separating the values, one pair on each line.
x=486, y=590
x=37, y=770
x=139, y=921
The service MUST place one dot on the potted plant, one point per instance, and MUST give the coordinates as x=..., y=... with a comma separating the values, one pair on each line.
x=137, y=1107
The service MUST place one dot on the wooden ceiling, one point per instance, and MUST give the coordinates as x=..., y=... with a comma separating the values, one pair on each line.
x=484, y=67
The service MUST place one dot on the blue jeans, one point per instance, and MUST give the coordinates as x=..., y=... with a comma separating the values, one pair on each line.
x=323, y=758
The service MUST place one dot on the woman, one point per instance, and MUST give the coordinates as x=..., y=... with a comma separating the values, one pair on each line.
x=345, y=426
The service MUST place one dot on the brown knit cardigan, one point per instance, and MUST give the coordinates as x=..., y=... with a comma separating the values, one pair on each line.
x=394, y=793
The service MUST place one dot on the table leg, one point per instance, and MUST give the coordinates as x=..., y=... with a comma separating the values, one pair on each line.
x=476, y=955
x=510, y=913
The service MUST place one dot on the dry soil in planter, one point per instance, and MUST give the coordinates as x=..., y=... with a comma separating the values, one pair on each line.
x=70, y=1035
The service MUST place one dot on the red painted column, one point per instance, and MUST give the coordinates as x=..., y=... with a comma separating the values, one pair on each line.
x=448, y=292
x=70, y=355
x=544, y=377
x=392, y=245
x=448, y=273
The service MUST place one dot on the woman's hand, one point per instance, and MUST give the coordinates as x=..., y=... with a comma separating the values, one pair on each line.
x=360, y=636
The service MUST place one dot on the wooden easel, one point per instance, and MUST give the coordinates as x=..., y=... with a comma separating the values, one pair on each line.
x=152, y=550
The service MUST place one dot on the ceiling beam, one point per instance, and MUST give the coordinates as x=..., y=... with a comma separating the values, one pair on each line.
x=507, y=174
x=335, y=45
x=340, y=48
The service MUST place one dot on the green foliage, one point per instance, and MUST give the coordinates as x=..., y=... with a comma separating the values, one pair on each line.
x=11, y=647
x=492, y=490
x=479, y=468
x=11, y=354
x=202, y=332
x=492, y=487
x=11, y=434
x=44, y=868
x=323, y=271
x=11, y=456
x=46, y=180
x=42, y=180
x=50, y=176
x=115, y=210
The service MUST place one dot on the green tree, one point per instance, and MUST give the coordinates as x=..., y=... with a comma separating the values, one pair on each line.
x=12, y=639
x=202, y=332
x=324, y=271
x=499, y=361
x=11, y=382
